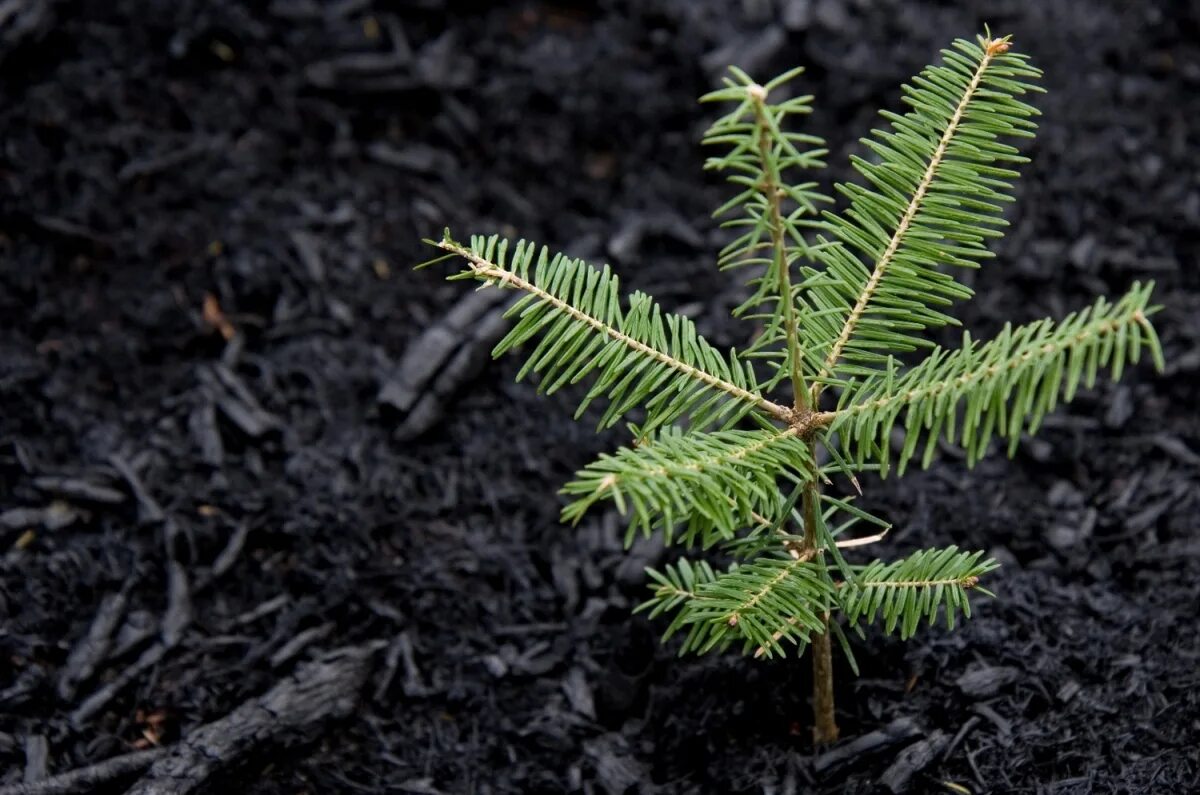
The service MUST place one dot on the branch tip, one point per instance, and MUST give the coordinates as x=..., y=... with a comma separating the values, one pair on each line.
x=998, y=47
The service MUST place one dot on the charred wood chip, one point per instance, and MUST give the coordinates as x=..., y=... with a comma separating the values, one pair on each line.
x=1002, y=724
x=139, y=626
x=168, y=161
x=615, y=766
x=80, y=490
x=960, y=735
x=263, y=610
x=1120, y=407
x=444, y=64
x=232, y=550
x=626, y=244
x=28, y=680
x=1177, y=449
x=416, y=158
x=107, y=692
x=203, y=426
x=92, y=649
x=55, y=516
x=178, y=614
x=579, y=692
x=898, y=731
x=1146, y=518
x=400, y=653
x=441, y=361
x=302, y=640
x=149, y=510
x=366, y=71
x=754, y=52
x=24, y=21
x=1068, y=691
x=21, y=518
x=37, y=758
x=912, y=760
x=328, y=688
x=796, y=14
x=986, y=681
x=238, y=404
x=309, y=251
x=90, y=778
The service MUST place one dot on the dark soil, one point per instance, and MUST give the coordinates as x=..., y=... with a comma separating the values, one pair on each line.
x=234, y=549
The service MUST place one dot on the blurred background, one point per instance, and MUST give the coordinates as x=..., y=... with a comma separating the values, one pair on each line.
x=272, y=522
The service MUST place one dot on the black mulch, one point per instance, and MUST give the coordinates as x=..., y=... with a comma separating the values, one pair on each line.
x=248, y=546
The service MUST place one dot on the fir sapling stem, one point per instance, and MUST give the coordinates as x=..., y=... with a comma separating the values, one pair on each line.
x=772, y=191
x=825, y=729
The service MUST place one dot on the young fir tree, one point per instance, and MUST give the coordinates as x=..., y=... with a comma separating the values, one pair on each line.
x=843, y=300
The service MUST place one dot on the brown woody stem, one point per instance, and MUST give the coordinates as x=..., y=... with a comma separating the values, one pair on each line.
x=825, y=729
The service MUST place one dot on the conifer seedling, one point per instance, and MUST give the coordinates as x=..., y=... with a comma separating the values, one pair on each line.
x=842, y=298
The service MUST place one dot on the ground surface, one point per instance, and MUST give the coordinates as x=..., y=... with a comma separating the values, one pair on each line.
x=188, y=523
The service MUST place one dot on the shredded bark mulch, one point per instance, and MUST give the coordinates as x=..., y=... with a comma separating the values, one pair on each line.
x=272, y=522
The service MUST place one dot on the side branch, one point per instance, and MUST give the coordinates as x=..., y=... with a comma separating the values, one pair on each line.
x=753, y=599
x=704, y=463
x=902, y=227
x=489, y=270
x=1088, y=335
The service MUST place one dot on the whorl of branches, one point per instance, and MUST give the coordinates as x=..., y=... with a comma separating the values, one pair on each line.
x=845, y=299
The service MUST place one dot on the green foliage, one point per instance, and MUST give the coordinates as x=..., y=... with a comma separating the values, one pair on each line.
x=642, y=357
x=844, y=301
x=1001, y=387
x=714, y=481
x=760, y=155
x=934, y=196
x=903, y=592
x=761, y=605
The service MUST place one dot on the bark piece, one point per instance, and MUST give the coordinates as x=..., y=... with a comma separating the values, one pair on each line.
x=320, y=690
x=913, y=760
x=896, y=732
x=442, y=360
x=92, y=649
x=87, y=779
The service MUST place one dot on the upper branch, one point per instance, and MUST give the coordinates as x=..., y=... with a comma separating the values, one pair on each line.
x=914, y=204
x=933, y=198
x=637, y=350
